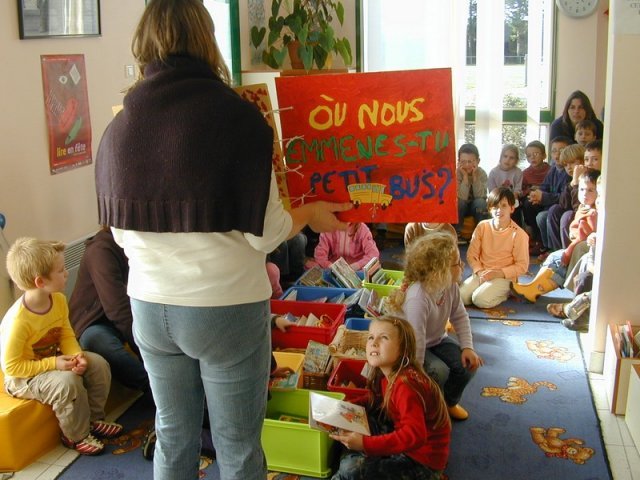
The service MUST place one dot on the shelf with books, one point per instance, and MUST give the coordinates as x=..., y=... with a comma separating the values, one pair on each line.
x=617, y=366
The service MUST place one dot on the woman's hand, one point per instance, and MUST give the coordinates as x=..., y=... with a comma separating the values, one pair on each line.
x=323, y=218
x=471, y=359
x=351, y=440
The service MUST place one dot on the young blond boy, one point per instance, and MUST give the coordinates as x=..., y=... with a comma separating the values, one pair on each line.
x=41, y=358
x=498, y=253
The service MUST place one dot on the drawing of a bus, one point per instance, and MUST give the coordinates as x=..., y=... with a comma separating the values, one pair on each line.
x=369, y=193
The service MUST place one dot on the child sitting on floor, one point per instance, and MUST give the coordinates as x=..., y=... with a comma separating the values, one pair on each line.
x=355, y=245
x=498, y=253
x=507, y=174
x=41, y=358
x=428, y=297
x=586, y=132
x=411, y=431
x=554, y=269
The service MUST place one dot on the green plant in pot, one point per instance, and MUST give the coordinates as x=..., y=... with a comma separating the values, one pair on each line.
x=303, y=29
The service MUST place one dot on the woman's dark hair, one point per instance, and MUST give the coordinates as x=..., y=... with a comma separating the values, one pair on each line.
x=586, y=104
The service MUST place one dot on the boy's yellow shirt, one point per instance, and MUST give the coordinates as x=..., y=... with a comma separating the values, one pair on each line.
x=31, y=341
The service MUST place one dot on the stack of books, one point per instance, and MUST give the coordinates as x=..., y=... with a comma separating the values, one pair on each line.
x=629, y=347
x=371, y=303
x=372, y=267
x=313, y=278
x=317, y=358
x=344, y=275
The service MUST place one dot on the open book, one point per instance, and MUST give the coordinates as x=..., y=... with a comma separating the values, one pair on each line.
x=332, y=415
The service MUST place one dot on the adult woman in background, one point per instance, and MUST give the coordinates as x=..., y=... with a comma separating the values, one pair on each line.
x=576, y=108
x=184, y=178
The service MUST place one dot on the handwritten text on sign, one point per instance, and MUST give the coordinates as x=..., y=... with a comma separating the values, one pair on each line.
x=383, y=141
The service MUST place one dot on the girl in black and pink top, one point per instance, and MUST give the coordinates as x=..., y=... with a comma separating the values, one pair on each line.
x=410, y=426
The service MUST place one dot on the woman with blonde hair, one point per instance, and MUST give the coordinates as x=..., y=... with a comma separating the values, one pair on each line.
x=184, y=179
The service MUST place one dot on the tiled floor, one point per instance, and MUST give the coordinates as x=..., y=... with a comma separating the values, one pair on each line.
x=623, y=456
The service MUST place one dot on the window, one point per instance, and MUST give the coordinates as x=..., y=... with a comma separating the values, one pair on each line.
x=500, y=52
x=225, y=18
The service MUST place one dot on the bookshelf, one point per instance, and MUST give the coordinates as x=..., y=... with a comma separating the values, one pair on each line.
x=617, y=370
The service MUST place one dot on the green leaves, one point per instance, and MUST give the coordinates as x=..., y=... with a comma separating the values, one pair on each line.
x=257, y=35
x=309, y=22
x=274, y=57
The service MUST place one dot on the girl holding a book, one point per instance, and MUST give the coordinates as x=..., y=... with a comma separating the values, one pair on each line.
x=410, y=428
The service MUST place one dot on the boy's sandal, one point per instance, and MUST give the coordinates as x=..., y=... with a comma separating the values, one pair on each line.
x=556, y=309
x=105, y=429
x=90, y=445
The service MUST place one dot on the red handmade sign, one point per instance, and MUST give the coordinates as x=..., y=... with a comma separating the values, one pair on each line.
x=383, y=141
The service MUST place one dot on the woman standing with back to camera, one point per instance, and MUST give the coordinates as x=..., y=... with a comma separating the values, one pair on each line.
x=184, y=178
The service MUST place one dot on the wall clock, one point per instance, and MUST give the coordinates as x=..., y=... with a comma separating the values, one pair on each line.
x=577, y=8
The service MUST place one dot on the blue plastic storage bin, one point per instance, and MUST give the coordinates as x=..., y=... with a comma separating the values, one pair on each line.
x=353, y=323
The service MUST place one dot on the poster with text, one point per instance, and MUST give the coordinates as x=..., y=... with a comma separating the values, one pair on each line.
x=382, y=141
x=66, y=104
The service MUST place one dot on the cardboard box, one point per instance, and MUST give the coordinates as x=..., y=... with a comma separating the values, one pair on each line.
x=632, y=417
x=617, y=370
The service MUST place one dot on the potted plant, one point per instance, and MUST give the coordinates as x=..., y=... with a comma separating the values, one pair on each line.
x=304, y=31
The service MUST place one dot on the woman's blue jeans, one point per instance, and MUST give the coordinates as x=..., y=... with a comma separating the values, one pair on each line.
x=221, y=352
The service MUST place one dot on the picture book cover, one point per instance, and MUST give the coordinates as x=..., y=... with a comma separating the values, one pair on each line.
x=331, y=415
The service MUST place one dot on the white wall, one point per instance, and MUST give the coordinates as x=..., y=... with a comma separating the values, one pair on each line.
x=615, y=288
x=35, y=203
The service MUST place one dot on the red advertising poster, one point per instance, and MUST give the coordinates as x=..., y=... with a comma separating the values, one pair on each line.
x=383, y=141
x=66, y=104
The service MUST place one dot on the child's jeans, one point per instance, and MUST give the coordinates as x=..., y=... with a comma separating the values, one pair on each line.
x=443, y=363
x=476, y=207
x=554, y=262
x=77, y=400
x=358, y=466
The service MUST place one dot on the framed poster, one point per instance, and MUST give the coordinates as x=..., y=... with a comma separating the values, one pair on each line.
x=66, y=104
x=58, y=18
x=383, y=141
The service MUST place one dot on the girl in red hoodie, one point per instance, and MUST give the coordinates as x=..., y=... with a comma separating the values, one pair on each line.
x=410, y=426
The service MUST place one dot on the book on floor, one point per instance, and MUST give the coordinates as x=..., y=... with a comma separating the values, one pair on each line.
x=334, y=416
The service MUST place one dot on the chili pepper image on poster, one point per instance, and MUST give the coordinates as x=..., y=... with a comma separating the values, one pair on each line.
x=382, y=141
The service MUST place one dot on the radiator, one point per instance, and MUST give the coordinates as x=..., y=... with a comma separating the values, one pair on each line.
x=72, y=255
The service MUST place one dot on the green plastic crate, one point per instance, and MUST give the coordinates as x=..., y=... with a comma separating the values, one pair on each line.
x=385, y=290
x=295, y=447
